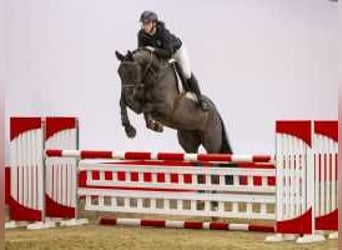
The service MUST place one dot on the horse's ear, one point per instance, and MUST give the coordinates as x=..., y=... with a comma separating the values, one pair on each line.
x=119, y=56
x=130, y=55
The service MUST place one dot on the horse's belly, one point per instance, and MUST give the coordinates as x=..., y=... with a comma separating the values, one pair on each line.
x=180, y=122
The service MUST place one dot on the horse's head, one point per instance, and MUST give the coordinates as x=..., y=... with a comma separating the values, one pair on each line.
x=130, y=70
x=135, y=66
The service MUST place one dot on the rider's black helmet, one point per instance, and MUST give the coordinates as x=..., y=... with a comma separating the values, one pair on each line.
x=148, y=15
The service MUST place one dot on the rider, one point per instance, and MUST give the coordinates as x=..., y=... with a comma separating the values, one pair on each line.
x=158, y=39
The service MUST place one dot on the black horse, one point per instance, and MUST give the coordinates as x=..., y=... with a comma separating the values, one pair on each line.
x=149, y=86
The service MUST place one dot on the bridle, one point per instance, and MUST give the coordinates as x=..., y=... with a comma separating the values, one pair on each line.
x=147, y=68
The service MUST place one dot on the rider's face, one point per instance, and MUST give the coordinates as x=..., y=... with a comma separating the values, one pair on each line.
x=148, y=27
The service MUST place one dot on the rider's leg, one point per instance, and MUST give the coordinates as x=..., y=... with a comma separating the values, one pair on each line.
x=194, y=86
x=183, y=61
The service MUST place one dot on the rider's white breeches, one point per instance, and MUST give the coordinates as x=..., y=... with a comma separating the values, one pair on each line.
x=183, y=60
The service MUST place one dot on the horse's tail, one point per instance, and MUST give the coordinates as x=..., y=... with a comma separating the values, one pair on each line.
x=225, y=145
x=227, y=149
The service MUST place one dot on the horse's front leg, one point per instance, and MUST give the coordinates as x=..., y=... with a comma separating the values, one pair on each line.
x=129, y=129
x=152, y=124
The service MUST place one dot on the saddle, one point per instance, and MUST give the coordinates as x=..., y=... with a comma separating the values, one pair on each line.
x=182, y=84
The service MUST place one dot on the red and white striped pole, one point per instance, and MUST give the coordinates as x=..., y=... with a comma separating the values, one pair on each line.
x=126, y=155
x=110, y=221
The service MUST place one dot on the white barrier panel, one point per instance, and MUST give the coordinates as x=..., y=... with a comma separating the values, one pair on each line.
x=177, y=197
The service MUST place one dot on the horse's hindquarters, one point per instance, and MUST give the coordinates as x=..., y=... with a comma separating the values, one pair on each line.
x=186, y=115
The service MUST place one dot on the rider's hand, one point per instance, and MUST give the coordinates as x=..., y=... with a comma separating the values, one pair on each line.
x=150, y=48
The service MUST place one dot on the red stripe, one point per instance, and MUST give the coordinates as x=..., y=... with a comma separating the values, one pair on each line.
x=137, y=155
x=108, y=175
x=336, y=167
x=193, y=225
x=170, y=156
x=328, y=221
x=54, y=153
x=330, y=160
x=301, y=224
x=258, y=165
x=299, y=129
x=260, y=228
x=58, y=124
x=107, y=221
x=152, y=223
x=218, y=226
x=261, y=158
x=88, y=154
x=7, y=185
x=327, y=128
x=214, y=157
x=20, y=125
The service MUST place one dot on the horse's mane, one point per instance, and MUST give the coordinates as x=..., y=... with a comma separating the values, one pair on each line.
x=140, y=49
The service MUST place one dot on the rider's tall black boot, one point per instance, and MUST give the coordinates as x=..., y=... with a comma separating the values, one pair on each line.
x=194, y=87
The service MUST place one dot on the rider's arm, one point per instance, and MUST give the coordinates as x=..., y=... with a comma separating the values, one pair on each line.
x=140, y=39
x=162, y=53
x=167, y=49
x=168, y=44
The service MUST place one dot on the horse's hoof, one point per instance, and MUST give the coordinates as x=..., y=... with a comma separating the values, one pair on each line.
x=130, y=131
x=155, y=126
x=158, y=127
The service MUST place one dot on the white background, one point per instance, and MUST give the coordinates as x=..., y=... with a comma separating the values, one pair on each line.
x=259, y=60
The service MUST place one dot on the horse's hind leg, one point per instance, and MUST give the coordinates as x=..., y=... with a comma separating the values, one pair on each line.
x=189, y=140
x=212, y=139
